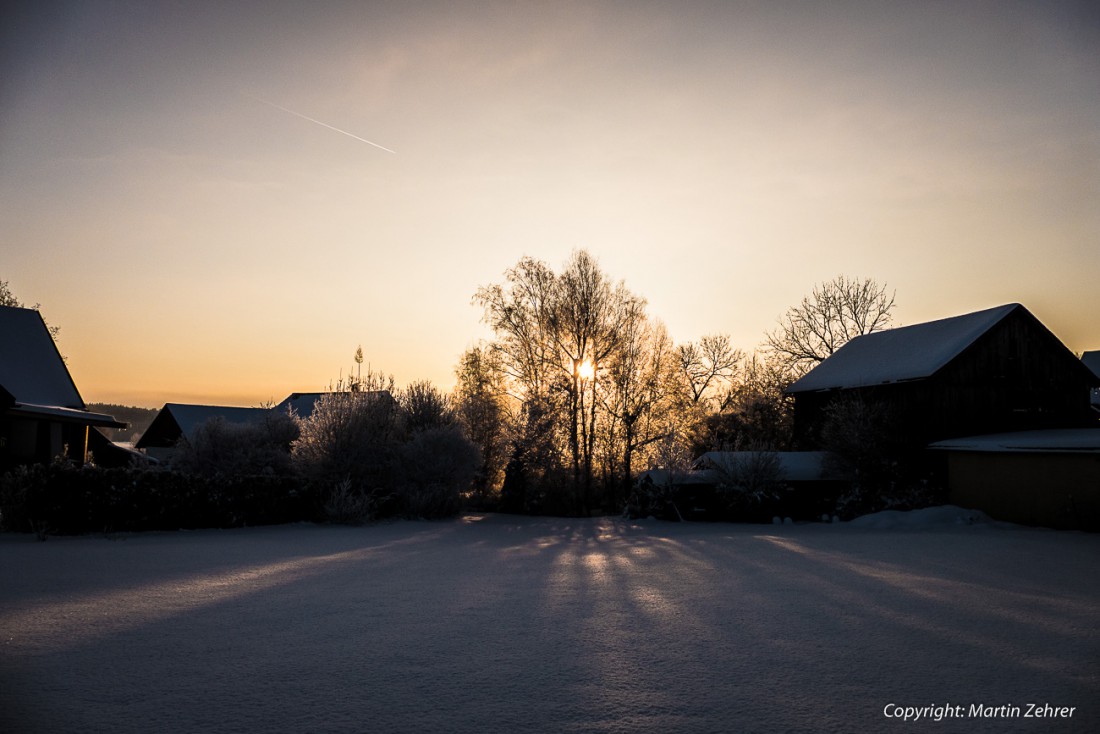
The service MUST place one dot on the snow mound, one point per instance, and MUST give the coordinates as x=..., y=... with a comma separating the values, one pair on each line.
x=928, y=517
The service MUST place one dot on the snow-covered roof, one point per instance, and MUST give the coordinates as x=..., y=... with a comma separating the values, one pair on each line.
x=905, y=353
x=31, y=368
x=1063, y=440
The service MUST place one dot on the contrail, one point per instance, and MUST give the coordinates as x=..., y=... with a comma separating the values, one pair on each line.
x=322, y=124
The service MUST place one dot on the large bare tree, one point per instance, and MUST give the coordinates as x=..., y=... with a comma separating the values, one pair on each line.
x=832, y=315
x=708, y=363
x=556, y=335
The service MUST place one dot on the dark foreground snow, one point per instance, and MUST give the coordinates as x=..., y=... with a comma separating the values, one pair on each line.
x=506, y=624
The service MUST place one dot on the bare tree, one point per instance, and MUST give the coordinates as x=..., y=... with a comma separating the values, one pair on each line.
x=755, y=414
x=641, y=374
x=708, y=363
x=520, y=314
x=826, y=320
x=556, y=336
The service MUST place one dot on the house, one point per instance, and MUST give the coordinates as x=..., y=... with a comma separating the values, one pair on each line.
x=807, y=487
x=1092, y=361
x=1049, y=478
x=991, y=371
x=300, y=404
x=179, y=421
x=42, y=415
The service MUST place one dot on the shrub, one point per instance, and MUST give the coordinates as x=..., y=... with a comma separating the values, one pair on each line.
x=860, y=441
x=218, y=448
x=437, y=466
x=749, y=484
x=347, y=505
x=350, y=441
x=62, y=499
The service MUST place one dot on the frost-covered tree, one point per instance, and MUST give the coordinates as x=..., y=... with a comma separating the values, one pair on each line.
x=555, y=334
x=481, y=407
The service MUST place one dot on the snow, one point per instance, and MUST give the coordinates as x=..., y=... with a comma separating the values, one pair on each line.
x=509, y=624
x=905, y=353
x=1056, y=440
x=929, y=517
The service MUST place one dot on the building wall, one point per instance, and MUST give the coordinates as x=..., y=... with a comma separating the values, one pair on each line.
x=1040, y=488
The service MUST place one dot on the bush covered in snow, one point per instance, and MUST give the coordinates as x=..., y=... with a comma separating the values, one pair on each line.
x=370, y=455
x=219, y=448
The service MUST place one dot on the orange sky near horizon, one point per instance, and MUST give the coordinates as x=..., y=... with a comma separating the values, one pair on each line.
x=218, y=202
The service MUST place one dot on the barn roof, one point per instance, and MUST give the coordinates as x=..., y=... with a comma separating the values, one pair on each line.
x=34, y=381
x=1057, y=440
x=901, y=354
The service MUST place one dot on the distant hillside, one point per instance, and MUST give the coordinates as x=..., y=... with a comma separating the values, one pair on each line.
x=138, y=418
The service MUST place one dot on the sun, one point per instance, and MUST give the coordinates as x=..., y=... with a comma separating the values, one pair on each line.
x=586, y=370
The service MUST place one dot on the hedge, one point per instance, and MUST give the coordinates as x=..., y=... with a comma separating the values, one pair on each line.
x=64, y=500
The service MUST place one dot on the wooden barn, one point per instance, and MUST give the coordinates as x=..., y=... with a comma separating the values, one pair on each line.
x=992, y=371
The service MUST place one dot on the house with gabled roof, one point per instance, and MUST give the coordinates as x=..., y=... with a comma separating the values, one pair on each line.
x=42, y=415
x=178, y=422
x=1092, y=361
x=991, y=371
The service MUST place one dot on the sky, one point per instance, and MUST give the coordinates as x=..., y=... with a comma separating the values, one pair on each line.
x=219, y=202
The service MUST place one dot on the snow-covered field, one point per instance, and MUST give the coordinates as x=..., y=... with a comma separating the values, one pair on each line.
x=509, y=624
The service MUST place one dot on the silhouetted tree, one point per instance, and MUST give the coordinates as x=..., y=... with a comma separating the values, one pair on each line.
x=755, y=414
x=641, y=395
x=827, y=319
x=555, y=335
x=707, y=364
x=480, y=399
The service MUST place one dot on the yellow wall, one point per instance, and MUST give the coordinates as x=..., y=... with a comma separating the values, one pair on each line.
x=1045, y=489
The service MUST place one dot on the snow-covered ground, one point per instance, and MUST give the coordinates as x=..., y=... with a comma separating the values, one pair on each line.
x=510, y=624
